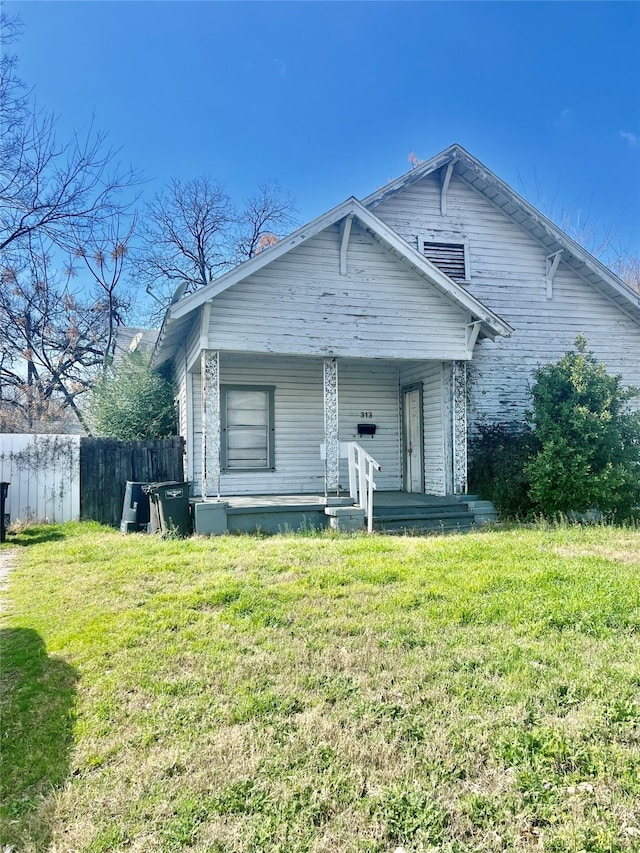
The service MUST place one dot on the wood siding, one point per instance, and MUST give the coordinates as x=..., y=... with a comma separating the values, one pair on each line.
x=371, y=387
x=299, y=424
x=300, y=304
x=181, y=381
x=508, y=274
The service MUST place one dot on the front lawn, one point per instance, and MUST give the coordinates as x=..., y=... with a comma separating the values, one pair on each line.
x=318, y=693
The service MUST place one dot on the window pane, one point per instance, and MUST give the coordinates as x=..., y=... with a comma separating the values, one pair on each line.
x=242, y=437
x=247, y=408
x=247, y=448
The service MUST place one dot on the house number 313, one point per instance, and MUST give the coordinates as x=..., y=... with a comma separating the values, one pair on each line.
x=366, y=414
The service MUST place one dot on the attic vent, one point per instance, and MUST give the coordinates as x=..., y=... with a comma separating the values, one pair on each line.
x=448, y=257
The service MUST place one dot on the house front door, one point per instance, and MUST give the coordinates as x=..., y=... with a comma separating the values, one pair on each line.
x=413, y=469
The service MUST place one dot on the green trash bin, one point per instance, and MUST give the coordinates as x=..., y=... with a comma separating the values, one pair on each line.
x=169, y=508
x=135, y=509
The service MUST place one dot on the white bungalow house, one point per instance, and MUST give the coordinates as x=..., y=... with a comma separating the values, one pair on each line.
x=389, y=323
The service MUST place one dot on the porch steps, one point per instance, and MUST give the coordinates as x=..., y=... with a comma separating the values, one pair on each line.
x=445, y=516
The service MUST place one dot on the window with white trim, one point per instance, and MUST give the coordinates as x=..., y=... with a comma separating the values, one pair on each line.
x=247, y=427
x=450, y=258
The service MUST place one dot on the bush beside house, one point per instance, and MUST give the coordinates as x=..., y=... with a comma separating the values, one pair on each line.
x=581, y=452
x=133, y=402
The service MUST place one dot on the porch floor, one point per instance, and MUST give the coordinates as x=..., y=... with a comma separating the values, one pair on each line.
x=381, y=500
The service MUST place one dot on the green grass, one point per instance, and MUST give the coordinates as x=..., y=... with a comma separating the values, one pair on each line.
x=321, y=693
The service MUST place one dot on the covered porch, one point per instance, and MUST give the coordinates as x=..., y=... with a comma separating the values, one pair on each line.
x=274, y=426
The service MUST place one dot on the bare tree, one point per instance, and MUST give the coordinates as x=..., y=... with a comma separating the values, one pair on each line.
x=60, y=339
x=47, y=187
x=191, y=233
x=185, y=232
x=266, y=214
x=56, y=199
x=104, y=259
x=602, y=241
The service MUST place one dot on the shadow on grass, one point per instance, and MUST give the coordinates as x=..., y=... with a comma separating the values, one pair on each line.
x=36, y=535
x=37, y=708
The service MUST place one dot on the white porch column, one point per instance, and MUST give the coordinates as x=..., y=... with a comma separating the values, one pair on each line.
x=459, y=425
x=331, y=435
x=210, y=372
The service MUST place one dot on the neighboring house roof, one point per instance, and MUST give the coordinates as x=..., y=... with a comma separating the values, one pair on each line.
x=179, y=316
x=552, y=238
x=133, y=339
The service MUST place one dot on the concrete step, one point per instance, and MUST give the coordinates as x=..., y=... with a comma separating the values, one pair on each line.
x=483, y=511
x=454, y=524
x=391, y=513
x=420, y=518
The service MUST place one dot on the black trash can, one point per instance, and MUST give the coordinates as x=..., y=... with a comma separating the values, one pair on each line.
x=4, y=489
x=169, y=508
x=135, y=509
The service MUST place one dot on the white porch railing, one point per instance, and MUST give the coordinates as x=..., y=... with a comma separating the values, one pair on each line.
x=361, y=482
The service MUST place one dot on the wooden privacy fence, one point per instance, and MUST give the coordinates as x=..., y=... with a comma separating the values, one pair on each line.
x=107, y=464
x=66, y=477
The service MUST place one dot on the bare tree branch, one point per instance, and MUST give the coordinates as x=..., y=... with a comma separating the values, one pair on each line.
x=267, y=215
x=191, y=233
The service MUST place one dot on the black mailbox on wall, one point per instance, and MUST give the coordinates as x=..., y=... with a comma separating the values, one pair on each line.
x=366, y=429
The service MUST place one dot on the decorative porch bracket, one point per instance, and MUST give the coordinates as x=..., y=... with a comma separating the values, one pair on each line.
x=331, y=434
x=459, y=423
x=210, y=372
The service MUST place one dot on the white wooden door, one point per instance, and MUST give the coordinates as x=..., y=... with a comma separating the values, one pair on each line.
x=412, y=439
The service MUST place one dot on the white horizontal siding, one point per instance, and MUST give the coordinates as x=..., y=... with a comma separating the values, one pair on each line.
x=371, y=388
x=195, y=433
x=299, y=425
x=182, y=381
x=300, y=304
x=508, y=274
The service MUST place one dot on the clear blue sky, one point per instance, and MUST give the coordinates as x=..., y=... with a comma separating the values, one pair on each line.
x=330, y=98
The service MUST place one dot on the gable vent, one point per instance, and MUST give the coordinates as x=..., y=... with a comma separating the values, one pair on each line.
x=448, y=257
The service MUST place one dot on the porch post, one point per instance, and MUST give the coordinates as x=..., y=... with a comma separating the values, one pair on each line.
x=210, y=372
x=331, y=435
x=459, y=425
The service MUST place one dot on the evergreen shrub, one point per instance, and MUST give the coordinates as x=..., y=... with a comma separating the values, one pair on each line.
x=589, y=440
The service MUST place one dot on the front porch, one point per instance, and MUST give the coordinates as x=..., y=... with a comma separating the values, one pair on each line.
x=278, y=425
x=393, y=512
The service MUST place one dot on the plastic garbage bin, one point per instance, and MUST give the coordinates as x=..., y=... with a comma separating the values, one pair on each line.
x=4, y=488
x=135, y=509
x=169, y=508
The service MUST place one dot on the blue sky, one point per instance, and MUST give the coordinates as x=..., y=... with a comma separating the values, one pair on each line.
x=329, y=99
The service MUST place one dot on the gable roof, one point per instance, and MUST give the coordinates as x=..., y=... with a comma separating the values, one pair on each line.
x=552, y=238
x=180, y=314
